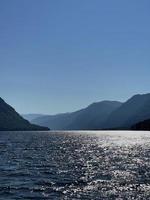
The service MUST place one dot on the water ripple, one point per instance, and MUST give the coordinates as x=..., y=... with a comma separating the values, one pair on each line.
x=75, y=165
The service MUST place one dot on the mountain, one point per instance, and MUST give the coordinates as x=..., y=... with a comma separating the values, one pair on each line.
x=56, y=122
x=31, y=117
x=10, y=120
x=94, y=116
x=144, y=125
x=134, y=110
x=91, y=117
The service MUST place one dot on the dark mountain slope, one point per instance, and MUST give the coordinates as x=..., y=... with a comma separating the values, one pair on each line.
x=94, y=116
x=11, y=120
x=132, y=111
x=144, y=125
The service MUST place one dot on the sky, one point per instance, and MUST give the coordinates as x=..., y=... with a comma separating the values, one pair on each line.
x=58, y=56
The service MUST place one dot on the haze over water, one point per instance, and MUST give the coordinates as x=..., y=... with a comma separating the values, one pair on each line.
x=75, y=165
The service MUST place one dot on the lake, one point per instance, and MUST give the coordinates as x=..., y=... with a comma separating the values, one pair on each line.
x=75, y=165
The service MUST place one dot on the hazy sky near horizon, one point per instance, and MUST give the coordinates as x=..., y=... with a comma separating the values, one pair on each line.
x=61, y=55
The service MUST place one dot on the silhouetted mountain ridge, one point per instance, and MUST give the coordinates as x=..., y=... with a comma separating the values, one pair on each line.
x=102, y=115
x=11, y=120
x=136, y=109
x=91, y=117
x=94, y=116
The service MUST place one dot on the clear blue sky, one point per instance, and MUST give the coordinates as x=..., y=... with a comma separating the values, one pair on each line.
x=61, y=55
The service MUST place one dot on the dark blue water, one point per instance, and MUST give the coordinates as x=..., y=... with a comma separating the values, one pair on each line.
x=74, y=165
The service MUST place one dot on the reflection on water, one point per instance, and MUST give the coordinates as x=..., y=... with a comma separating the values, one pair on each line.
x=75, y=165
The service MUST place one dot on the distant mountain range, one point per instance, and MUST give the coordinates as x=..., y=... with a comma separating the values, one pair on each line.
x=101, y=115
x=31, y=117
x=132, y=114
x=10, y=120
x=88, y=118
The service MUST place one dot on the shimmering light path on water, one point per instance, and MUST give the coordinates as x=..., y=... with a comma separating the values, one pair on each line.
x=74, y=165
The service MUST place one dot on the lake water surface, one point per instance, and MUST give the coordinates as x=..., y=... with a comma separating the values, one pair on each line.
x=75, y=165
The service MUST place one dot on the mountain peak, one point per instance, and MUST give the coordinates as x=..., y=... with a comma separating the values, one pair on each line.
x=140, y=96
x=133, y=110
